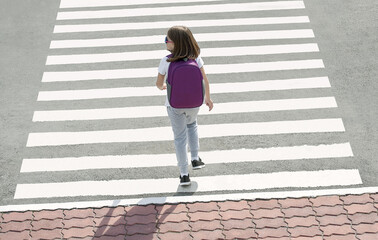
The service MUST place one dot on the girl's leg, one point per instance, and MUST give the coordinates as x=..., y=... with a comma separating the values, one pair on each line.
x=191, y=117
x=178, y=122
x=193, y=140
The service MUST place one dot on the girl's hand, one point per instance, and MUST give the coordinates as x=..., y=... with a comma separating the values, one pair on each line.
x=164, y=87
x=209, y=103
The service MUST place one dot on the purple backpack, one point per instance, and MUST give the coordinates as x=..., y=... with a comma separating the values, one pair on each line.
x=185, y=87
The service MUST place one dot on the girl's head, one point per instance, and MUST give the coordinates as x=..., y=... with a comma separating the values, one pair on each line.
x=182, y=44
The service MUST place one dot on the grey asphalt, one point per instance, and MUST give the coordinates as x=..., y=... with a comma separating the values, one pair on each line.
x=345, y=31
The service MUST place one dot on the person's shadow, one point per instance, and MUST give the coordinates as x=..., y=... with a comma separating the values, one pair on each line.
x=141, y=221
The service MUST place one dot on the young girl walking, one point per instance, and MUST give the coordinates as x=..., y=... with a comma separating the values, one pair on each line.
x=183, y=47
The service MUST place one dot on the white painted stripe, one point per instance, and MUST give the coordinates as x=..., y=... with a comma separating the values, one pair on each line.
x=189, y=199
x=105, y=57
x=216, y=88
x=189, y=23
x=193, y=9
x=264, y=66
x=159, y=111
x=271, y=85
x=164, y=160
x=300, y=179
x=108, y=3
x=165, y=133
x=200, y=37
x=208, y=52
x=210, y=69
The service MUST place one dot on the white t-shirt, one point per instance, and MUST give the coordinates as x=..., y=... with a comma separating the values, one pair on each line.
x=163, y=70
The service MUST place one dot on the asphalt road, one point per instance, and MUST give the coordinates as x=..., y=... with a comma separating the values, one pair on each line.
x=345, y=31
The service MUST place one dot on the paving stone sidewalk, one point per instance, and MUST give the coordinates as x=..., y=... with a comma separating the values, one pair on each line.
x=325, y=217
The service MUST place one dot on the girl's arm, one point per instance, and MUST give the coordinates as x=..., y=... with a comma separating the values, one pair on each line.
x=208, y=100
x=160, y=82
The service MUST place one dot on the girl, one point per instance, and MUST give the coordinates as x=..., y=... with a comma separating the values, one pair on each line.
x=181, y=43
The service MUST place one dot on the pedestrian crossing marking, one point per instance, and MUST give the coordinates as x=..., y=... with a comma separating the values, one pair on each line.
x=160, y=111
x=304, y=152
x=108, y=3
x=165, y=133
x=216, y=88
x=264, y=66
x=208, y=52
x=184, y=198
x=341, y=177
x=93, y=20
x=192, y=9
x=200, y=37
x=70, y=28
x=210, y=69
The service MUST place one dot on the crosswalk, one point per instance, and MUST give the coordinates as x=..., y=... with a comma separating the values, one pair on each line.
x=159, y=111
x=151, y=72
x=213, y=157
x=164, y=133
x=216, y=88
x=202, y=184
x=210, y=52
x=177, y=10
x=267, y=80
x=68, y=28
x=200, y=37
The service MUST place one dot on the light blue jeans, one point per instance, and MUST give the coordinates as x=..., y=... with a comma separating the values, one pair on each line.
x=184, y=126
